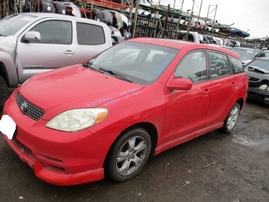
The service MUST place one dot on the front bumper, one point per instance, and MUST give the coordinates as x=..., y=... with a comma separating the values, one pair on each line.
x=57, y=157
x=53, y=176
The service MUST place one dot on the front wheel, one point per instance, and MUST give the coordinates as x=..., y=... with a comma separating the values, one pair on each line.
x=3, y=92
x=231, y=119
x=129, y=155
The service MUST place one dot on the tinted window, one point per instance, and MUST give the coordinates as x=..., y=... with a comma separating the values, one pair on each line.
x=55, y=32
x=236, y=65
x=219, y=65
x=193, y=67
x=90, y=34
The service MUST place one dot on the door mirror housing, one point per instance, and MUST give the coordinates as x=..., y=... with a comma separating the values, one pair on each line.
x=32, y=36
x=180, y=84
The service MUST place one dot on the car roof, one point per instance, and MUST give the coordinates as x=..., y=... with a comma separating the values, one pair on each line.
x=180, y=44
x=57, y=15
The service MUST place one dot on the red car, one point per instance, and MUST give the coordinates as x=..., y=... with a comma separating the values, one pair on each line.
x=105, y=117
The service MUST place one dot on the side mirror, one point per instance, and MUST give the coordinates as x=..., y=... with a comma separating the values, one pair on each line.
x=179, y=84
x=32, y=36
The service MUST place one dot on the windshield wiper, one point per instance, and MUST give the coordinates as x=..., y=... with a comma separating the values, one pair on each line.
x=254, y=68
x=117, y=75
x=88, y=65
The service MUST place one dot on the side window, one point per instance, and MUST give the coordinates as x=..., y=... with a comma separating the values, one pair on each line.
x=236, y=65
x=193, y=67
x=55, y=32
x=219, y=65
x=90, y=34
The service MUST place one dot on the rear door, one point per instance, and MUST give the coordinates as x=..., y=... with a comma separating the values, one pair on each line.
x=223, y=87
x=56, y=49
x=92, y=39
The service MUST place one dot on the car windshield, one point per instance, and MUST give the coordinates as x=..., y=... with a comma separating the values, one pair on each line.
x=261, y=64
x=135, y=62
x=11, y=24
x=245, y=54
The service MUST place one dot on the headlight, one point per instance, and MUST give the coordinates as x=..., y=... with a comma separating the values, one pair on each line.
x=263, y=87
x=77, y=119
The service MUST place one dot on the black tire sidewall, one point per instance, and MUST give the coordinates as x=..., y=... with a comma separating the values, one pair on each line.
x=110, y=167
x=3, y=92
x=225, y=128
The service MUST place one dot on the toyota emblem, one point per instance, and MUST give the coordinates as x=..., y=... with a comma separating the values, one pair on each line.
x=23, y=107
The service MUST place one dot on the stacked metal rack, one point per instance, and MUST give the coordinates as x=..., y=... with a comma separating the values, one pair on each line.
x=147, y=23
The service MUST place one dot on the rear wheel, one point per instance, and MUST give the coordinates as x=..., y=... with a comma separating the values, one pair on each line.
x=129, y=155
x=231, y=119
x=3, y=92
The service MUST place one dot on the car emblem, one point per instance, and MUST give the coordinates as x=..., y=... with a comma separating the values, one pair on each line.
x=23, y=107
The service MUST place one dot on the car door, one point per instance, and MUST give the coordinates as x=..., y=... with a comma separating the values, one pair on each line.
x=186, y=110
x=223, y=87
x=55, y=49
x=92, y=39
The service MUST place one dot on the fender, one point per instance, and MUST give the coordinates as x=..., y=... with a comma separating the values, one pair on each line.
x=10, y=68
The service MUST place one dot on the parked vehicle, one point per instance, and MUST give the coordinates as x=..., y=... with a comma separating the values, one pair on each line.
x=238, y=32
x=191, y=36
x=32, y=43
x=247, y=54
x=198, y=23
x=76, y=124
x=258, y=75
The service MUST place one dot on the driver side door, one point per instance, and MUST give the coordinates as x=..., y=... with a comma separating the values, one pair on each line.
x=55, y=49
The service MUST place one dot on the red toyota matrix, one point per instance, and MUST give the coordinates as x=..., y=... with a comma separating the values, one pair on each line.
x=105, y=117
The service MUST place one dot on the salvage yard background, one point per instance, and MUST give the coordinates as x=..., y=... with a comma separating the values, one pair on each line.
x=213, y=167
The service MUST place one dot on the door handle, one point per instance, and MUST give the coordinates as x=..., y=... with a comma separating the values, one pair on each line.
x=206, y=91
x=233, y=84
x=69, y=52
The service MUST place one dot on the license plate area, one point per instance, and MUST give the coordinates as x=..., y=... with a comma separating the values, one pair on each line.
x=7, y=126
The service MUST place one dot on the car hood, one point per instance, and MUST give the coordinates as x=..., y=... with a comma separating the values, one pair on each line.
x=74, y=86
x=259, y=74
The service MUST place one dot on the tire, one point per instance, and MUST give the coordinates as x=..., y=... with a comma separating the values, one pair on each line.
x=3, y=92
x=128, y=155
x=231, y=119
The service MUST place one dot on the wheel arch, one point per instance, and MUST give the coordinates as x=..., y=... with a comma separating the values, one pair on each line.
x=149, y=127
x=8, y=70
x=241, y=102
x=3, y=72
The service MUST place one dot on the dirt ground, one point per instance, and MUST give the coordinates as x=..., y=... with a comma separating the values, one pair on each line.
x=211, y=168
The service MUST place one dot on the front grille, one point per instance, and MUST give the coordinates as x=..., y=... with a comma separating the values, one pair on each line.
x=23, y=147
x=253, y=79
x=28, y=108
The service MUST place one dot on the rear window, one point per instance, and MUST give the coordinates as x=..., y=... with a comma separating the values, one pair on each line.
x=236, y=65
x=219, y=65
x=88, y=34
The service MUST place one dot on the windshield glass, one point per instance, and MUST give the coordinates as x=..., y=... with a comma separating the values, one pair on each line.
x=11, y=24
x=138, y=62
x=245, y=54
x=262, y=64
